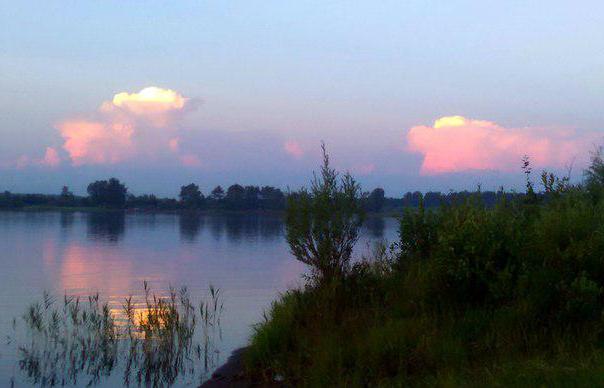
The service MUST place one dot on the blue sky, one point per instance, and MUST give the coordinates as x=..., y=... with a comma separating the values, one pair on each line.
x=357, y=74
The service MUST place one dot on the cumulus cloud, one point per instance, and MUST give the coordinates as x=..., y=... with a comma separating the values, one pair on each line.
x=90, y=142
x=51, y=158
x=293, y=148
x=456, y=143
x=145, y=123
x=159, y=107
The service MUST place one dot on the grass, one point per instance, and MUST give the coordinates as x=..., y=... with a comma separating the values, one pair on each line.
x=468, y=296
x=151, y=341
x=372, y=334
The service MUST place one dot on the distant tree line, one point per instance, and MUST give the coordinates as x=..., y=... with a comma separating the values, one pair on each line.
x=433, y=199
x=112, y=193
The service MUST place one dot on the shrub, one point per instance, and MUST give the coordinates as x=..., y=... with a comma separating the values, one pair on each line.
x=474, y=296
x=323, y=223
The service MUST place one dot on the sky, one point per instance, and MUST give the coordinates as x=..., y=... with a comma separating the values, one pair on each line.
x=407, y=95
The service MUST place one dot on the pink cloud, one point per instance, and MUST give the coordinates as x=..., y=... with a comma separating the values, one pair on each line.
x=90, y=142
x=190, y=160
x=293, y=148
x=174, y=144
x=130, y=125
x=51, y=158
x=455, y=143
x=23, y=162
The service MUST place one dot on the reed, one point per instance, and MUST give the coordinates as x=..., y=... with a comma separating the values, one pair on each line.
x=151, y=341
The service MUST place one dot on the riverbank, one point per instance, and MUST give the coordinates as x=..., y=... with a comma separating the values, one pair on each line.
x=469, y=296
x=230, y=374
x=233, y=374
x=367, y=335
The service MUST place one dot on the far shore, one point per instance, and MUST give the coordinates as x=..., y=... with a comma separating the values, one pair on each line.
x=95, y=209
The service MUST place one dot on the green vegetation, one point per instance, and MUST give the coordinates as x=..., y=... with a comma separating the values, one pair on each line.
x=113, y=194
x=152, y=342
x=470, y=295
x=323, y=223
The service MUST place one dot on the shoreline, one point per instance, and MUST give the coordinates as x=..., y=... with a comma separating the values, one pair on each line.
x=60, y=209
x=231, y=374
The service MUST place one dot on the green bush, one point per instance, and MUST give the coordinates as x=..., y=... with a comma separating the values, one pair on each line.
x=469, y=295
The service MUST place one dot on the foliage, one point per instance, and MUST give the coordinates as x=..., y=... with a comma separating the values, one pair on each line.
x=470, y=295
x=375, y=200
x=322, y=224
x=111, y=193
x=190, y=196
x=66, y=198
x=217, y=194
x=245, y=198
x=235, y=197
x=594, y=175
x=152, y=341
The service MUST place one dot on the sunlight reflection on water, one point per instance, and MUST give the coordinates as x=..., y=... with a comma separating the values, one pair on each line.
x=113, y=253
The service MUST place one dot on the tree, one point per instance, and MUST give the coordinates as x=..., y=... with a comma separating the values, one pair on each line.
x=432, y=199
x=251, y=197
x=375, y=200
x=66, y=198
x=148, y=201
x=594, y=175
x=322, y=224
x=9, y=200
x=412, y=199
x=65, y=193
x=235, y=197
x=217, y=194
x=191, y=196
x=111, y=193
x=271, y=198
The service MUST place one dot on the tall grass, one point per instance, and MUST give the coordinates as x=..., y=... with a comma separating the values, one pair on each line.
x=151, y=341
x=468, y=296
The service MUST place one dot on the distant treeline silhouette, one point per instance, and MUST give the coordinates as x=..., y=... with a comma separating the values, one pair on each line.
x=112, y=193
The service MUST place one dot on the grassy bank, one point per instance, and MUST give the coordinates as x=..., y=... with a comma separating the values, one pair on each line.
x=469, y=296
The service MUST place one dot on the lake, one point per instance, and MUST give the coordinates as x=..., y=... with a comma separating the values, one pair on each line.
x=112, y=253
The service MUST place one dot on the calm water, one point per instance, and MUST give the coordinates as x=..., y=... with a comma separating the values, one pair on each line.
x=246, y=256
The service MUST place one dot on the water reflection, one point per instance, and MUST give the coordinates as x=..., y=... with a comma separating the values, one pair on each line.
x=89, y=268
x=153, y=342
x=375, y=226
x=106, y=226
x=271, y=228
x=67, y=219
x=190, y=224
x=112, y=253
x=216, y=227
x=235, y=227
x=240, y=227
